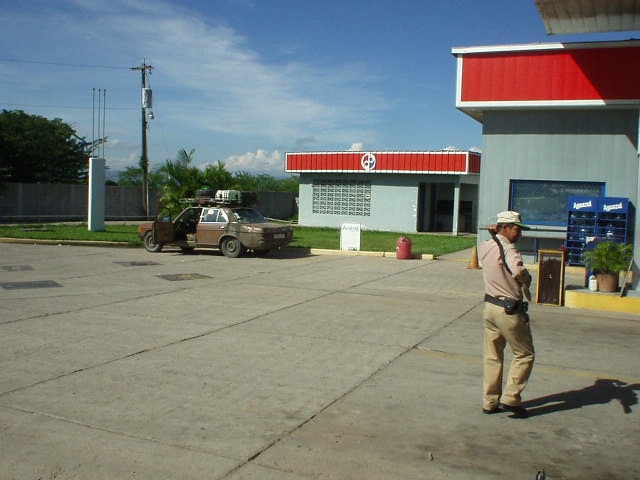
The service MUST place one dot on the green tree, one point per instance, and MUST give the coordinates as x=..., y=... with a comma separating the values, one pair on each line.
x=132, y=177
x=264, y=182
x=289, y=184
x=217, y=177
x=244, y=181
x=34, y=149
x=180, y=179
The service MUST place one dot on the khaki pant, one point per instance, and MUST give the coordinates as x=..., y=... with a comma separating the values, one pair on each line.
x=500, y=329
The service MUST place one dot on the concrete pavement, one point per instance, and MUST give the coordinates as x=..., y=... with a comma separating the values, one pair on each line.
x=121, y=364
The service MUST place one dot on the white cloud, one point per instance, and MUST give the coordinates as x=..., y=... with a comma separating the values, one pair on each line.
x=356, y=147
x=261, y=161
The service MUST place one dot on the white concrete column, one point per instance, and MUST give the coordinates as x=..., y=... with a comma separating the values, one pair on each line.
x=96, y=194
x=456, y=206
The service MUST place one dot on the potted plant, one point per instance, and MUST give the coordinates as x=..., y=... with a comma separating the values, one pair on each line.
x=606, y=260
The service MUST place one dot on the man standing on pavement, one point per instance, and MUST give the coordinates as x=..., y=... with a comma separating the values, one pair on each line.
x=505, y=317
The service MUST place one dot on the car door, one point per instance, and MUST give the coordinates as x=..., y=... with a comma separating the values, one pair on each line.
x=212, y=226
x=163, y=230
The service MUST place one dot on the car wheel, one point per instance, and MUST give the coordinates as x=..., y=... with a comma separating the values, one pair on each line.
x=232, y=248
x=150, y=244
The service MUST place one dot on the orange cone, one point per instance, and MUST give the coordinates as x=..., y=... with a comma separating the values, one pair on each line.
x=473, y=261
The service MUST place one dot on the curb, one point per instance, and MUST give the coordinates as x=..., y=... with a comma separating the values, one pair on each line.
x=323, y=251
x=315, y=251
x=81, y=243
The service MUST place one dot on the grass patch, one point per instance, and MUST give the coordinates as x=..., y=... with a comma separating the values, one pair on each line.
x=376, y=241
x=304, y=237
x=113, y=233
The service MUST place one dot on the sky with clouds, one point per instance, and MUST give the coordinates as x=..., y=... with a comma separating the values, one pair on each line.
x=244, y=81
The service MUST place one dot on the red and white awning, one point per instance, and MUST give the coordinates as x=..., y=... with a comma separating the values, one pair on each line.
x=440, y=162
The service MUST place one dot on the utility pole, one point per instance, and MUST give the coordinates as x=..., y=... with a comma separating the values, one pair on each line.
x=144, y=158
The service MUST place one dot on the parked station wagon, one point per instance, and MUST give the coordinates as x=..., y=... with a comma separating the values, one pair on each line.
x=226, y=221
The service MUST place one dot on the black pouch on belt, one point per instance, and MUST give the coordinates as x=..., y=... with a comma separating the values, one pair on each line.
x=511, y=306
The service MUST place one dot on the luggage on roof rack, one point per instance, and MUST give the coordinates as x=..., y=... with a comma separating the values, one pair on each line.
x=236, y=198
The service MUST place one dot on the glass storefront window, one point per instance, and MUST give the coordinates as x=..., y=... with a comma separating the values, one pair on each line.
x=544, y=202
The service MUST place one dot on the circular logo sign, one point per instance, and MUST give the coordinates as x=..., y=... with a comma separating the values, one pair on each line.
x=368, y=162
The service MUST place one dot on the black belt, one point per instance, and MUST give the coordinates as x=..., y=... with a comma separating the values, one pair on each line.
x=494, y=300
x=510, y=305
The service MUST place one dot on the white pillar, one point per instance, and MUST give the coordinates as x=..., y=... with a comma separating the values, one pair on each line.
x=456, y=206
x=96, y=194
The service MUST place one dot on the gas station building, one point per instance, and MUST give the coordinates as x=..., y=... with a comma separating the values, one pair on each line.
x=558, y=120
x=392, y=191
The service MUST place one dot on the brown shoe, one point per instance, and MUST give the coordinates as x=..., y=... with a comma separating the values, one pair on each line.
x=490, y=411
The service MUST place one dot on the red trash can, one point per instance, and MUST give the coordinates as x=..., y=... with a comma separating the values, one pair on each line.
x=403, y=249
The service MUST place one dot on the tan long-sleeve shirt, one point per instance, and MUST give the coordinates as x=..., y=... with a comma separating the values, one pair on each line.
x=497, y=280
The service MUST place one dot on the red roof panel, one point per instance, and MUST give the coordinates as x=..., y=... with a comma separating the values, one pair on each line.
x=385, y=162
x=551, y=75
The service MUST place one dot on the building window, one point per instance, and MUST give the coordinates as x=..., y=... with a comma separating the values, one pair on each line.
x=544, y=202
x=342, y=197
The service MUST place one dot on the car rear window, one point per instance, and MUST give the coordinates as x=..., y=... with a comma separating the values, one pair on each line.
x=248, y=215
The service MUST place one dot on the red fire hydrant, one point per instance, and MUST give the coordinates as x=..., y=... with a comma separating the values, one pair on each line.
x=403, y=249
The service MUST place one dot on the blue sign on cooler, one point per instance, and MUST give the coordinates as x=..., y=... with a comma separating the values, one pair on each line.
x=582, y=204
x=613, y=205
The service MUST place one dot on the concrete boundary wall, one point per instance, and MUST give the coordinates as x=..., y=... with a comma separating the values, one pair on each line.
x=41, y=203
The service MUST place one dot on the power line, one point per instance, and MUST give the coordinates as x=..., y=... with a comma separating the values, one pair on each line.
x=63, y=64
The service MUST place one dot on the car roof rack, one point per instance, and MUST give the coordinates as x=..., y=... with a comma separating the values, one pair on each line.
x=234, y=198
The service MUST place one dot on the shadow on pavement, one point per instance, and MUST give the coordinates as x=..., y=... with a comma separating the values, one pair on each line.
x=601, y=392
